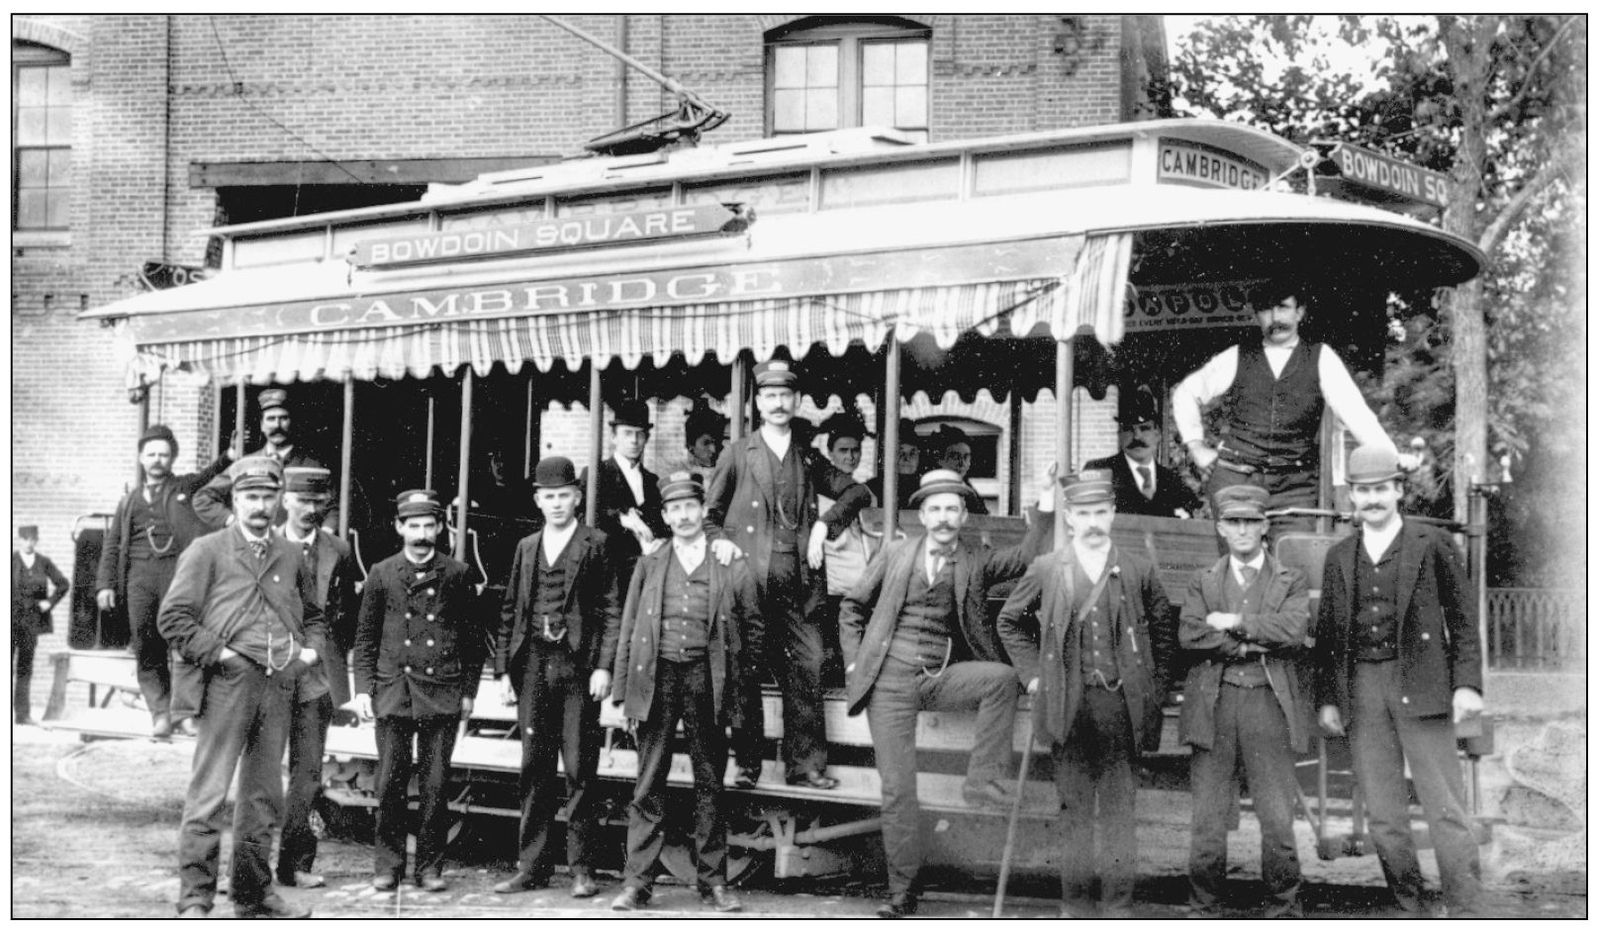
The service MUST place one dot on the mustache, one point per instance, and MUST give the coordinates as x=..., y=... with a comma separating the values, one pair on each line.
x=943, y=526
x=1279, y=328
x=1094, y=532
x=1138, y=443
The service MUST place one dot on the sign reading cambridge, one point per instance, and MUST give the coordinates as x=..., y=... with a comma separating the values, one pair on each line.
x=1182, y=162
x=562, y=233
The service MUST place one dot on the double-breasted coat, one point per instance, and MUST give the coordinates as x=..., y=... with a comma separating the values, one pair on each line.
x=737, y=636
x=591, y=610
x=1281, y=626
x=1143, y=632
x=419, y=646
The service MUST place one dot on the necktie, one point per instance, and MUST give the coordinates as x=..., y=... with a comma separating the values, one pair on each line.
x=939, y=557
x=259, y=547
x=1249, y=574
x=1145, y=481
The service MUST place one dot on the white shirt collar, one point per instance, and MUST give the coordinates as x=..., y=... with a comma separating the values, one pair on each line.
x=1376, y=543
x=1091, y=561
x=778, y=441
x=633, y=473
x=251, y=538
x=288, y=532
x=1153, y=474
x=555, y=541
x=415, y=562
x=28, y=558
x=1257, y=563
x=690, y=553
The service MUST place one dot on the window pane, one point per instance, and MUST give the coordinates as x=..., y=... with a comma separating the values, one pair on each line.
x=32, y=168
x=59, y=204
x=822, y=66
x=876, y=106
x=60, y=93
x=32, y=125
x=60, y=170
x=787, y=111
x=789, y=66
x=58, y=128
x=877, y=65
x=911, y=106
x=911, y=68
x=821, y=110
x=31, y=85
x=31, y=209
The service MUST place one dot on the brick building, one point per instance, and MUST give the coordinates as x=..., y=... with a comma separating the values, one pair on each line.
x=135, y=133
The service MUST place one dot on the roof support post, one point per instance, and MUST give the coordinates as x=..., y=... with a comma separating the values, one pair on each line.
x=464, y=498
x=432, y=425
x=738, y=395
x=238, y=417
x=1064, y=392
x=595, y=443
x=347, y=443
x=1017, y=503
x=891, y=402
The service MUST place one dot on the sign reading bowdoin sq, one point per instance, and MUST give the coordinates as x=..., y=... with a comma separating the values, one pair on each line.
x=1183, y=162
x=564, y=233
x=1163, y=308
x=1393, y=176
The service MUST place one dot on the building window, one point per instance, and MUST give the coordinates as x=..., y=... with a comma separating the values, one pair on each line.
x=824, y=73
x=41, y=127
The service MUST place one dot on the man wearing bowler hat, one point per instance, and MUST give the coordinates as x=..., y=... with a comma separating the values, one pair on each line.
x=1243, y=626
x=1105, y=636
x=418, y=653
x=915, y=637
x=36, y=585
x=211, y=501
x=553, y=650
x=243, y=610
x=629, y=495
x=307, y=493
x=690, y=637
x=762, y=498
x=1398, y=665
x=152, y=527
x=1142, y=485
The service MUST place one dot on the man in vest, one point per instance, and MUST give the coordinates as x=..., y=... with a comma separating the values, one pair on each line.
x=1243, y=625
x=1105, y=637
x=553, y=650
x=1273, y=391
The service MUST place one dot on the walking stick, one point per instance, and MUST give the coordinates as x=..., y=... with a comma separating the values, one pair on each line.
x=1014, y=817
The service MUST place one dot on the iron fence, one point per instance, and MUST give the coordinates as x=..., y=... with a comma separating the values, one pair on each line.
x=1536, y=629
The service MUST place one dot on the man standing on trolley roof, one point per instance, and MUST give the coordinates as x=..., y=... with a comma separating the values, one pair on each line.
x=1274, y=390
x=915, y=637
x=153, y=525
x=1105, y=636
x=1398, y=665
x=1243, y=626
x=691, y=635
x=552, y=657
x=762, y=498
x=243, y=609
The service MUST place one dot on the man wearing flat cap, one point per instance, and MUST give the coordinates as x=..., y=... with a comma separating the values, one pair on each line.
x=1398, y=665
x=36, y=585
x=907, y=464
x=954, y=452
x=1243, y=628
x=211, y=501
x=1095, y=662
x=307, y=494
x=1142, y=485
x=243, y=611
x=691, y=639
x=629, y=495
x=418, y=653
x=553, y=651
x=916, y=637
x=763, y=499
x=153, y=525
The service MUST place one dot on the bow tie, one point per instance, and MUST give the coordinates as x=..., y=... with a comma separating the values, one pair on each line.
x=936, y=551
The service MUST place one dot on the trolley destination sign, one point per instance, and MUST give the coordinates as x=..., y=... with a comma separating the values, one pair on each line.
x=563, y=233
x=1391, y=176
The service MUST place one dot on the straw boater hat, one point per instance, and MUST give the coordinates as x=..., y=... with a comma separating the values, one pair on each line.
x=938, y=481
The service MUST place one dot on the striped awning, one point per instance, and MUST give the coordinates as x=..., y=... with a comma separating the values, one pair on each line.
x=1090, y=296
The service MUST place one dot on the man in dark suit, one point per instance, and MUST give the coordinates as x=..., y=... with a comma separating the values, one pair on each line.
x=418, y=655
x=36, y=585
x=1398, y=664
x=243, y=610
x=153, y=525
x=1243, y=625
x=915, y=637
x=307, y=493
x=691, y=636
x=762, y=499
x=555, y=643
x=1142, y=486
x=628, y=494
x=1105, y=637
x=211, y=500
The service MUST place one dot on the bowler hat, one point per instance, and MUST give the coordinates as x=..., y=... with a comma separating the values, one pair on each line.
x=1241, y=501
x=308, y=480
x=158, y=432
x=632, y=414
x=938, y=481
x=256, y=472
x=272, y=398
x=1089, y=487
x=29, y=531
x=417, y=503
x=1368, y=465
x=681, y=484
x=1137, y=408
x=777, y=373
x=554, y=472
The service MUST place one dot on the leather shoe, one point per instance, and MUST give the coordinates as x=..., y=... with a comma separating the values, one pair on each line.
x=988, y=795
x=629, y=898
x=1292, y=910
x=303, y=879
x=814, y=779
x=722, y=898
x=186, y=728
x=384, y=882
x=898, y=906
x=27, y=720
x=746, y=777
x=194, y=911
x=161, y=728
x=432, y=882
x=273, y=907
x=582, y=884
x=520, y=882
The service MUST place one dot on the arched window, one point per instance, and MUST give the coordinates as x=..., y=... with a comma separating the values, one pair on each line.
x=828, y=72
x=41, y=133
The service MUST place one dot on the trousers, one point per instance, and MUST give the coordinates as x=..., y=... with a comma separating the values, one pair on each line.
x=148, y=581
x=434, y=738
x=682, y=692
x=243, y=729
x=794, y=652
x=902, y=690
x=559, y=722
x=1097, y=786
x=24, y=644
x=307, y=740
